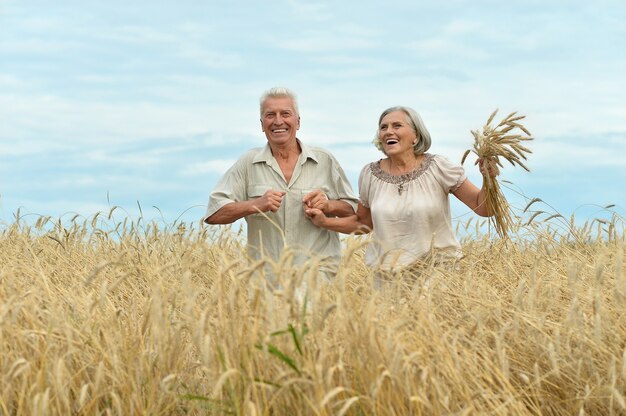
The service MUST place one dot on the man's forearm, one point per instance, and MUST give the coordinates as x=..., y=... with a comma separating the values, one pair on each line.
x=338, y=208
x=230, y=213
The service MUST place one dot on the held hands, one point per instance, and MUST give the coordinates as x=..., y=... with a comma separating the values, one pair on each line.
x=488, y=166
x=270, y=201
x=315, y=205
x=316, y=216
x=316, y=200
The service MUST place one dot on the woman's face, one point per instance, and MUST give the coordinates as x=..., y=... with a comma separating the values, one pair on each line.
x=396, y=134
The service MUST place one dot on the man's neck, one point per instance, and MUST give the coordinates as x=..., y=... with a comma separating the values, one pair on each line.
x=287, y=152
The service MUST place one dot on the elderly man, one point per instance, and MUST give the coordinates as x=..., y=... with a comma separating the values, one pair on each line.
x=271, y=186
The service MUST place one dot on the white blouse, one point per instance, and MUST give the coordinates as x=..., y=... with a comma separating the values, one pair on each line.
x=411, y=212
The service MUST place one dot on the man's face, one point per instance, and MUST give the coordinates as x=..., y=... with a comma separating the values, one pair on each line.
x=279, y=120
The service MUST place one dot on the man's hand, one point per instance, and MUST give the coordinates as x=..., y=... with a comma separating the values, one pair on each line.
x=270, y=201
x=316, y=199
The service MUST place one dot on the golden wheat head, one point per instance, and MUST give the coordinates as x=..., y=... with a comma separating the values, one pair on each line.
x=503, y=141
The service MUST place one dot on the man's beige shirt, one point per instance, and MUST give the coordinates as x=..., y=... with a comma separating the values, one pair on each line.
x=269, y=233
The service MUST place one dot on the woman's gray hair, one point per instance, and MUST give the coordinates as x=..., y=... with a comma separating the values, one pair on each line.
x=415, y=121
x=279, y=92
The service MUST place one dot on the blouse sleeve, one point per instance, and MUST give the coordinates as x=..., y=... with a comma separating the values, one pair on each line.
x=451, y=175
x=342, y=188
x=364, y=186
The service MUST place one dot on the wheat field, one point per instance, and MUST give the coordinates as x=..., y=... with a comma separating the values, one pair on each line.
x=100, y=316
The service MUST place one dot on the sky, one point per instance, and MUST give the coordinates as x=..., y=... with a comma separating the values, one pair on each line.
x=147, y=103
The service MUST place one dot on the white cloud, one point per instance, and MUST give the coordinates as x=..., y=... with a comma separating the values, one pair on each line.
x=341, y=37
x=462, y=27
x=115, y=158
x=66, y=209
x=73, y=121
x=137, y=35
x=210, y=59
x=308, y=10
x=353, y=158
x=580, y=153
x=211, y=166
x=38, y=46
x=323, y=42
x=11, y=82
x=442, y=47
x=156, y=90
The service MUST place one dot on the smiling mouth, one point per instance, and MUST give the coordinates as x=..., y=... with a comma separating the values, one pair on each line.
x=391, y=141
x=279, y=131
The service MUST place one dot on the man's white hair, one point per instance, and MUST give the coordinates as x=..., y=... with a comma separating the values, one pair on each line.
x=279, y=92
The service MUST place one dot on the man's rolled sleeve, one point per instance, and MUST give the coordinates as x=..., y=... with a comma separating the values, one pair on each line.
x=230, y=188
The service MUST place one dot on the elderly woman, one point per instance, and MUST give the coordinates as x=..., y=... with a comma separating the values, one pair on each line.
x=403, y=198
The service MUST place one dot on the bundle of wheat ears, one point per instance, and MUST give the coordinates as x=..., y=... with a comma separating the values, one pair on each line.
x=491, y=144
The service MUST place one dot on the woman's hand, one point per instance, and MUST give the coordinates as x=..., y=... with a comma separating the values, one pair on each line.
x=316, y=215
x=359, y=223
x=488, y=166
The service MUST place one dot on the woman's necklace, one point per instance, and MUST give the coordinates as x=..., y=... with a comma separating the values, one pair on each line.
x=403, y=177
x=401, y=187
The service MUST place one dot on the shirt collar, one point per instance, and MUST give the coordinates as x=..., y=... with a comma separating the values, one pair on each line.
x=265, y=155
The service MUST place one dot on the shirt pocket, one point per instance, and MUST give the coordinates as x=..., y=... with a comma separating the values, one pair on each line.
x=299, y=194
x=306, y=191
x=257, y=191
x=303, y=192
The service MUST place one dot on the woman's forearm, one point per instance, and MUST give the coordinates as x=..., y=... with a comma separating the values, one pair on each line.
x=345, y=225
x=482, y=208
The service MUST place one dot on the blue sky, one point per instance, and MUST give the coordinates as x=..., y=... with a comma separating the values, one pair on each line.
x=151, y=101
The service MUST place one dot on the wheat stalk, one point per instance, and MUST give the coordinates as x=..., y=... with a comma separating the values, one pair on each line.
x=492, y=144
x=150, y=319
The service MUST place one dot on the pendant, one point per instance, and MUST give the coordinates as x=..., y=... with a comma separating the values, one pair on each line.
x=400, y=188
